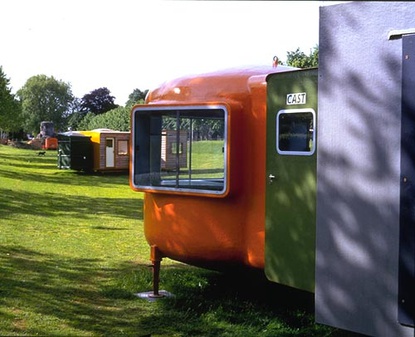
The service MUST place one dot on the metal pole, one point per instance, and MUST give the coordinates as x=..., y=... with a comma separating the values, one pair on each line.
x=156, y=256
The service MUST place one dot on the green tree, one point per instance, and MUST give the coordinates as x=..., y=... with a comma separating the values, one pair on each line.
x=45, y=99
x=74, y=120
x=115, y=119
x=136, y=97
x=299, y=59
x=83, y=123
x=10, y=109
x=75, y=114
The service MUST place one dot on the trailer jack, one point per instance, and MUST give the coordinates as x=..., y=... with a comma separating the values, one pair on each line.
x=156, y=257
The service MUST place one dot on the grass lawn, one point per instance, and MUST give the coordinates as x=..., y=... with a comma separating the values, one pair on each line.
x=73, y=255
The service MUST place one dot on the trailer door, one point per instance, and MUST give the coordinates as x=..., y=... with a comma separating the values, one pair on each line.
x=291, y=178
x=109, y=152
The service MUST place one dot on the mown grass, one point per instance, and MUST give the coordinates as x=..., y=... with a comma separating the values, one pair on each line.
x=208, y=154
x=73, y=255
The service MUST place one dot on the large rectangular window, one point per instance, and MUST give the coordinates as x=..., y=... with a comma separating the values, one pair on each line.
x=180, y=149
x=296, y=132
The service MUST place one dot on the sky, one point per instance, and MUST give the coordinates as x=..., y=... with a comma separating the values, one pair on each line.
x=131, y=44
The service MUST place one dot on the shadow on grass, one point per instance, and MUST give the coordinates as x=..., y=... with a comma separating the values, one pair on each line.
x=51, y=294
x=68, y=177
x=236, y=303
x=29, y=159
x=23, y=163
x=39, y=290
x=53, y=205
x=46, y=288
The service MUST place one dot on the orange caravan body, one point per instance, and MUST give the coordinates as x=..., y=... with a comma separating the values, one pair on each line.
x=214, y=230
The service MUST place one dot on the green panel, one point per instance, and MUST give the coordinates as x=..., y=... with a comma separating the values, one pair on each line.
x=75, y=152
x=64, y=154
x=291, y=186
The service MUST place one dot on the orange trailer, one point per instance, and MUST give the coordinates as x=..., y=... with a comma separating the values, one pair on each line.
x=211, y=212
x=306, y=174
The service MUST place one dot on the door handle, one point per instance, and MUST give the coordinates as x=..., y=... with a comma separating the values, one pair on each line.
x=271, y=178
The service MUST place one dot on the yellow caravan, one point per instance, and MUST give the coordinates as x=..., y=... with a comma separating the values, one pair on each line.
x=110, y=149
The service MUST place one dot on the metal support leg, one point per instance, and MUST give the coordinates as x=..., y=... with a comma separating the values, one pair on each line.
x=156, y=257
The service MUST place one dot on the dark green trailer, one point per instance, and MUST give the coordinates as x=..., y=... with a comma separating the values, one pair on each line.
x=75, y=151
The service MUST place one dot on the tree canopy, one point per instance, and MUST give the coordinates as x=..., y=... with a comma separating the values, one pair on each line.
x=10, y=109
x=136, y=97
x=44, y=98
x=98, y=101
x=115, y=119
x=299, y=59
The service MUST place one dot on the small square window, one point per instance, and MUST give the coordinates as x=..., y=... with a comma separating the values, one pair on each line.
x=109, y=142
x=296, y=132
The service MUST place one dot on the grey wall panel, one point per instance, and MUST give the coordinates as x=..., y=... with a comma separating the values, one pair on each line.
x=358, y=164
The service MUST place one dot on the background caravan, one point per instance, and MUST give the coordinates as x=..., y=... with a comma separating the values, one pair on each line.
x=98, y=150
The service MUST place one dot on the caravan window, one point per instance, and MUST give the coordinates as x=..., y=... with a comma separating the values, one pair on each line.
x=296, y=132
x=122, y=148
x=180, y=149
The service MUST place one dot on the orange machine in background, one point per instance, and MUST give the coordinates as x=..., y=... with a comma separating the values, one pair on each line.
x=51, y=143
x=47, y=136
